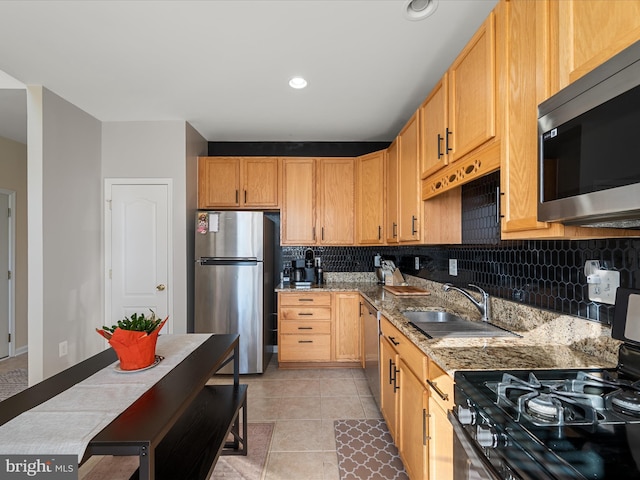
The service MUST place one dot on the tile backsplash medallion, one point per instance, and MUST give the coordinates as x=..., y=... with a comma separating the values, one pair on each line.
x=548, y=274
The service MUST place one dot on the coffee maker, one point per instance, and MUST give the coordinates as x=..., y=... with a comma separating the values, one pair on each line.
x=297, y=270
x=309, y=266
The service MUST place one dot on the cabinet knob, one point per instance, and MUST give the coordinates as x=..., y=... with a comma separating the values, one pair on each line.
x=160, y=287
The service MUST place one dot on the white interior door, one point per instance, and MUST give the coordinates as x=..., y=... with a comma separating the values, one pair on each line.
x=6, y=297
x=138, y=250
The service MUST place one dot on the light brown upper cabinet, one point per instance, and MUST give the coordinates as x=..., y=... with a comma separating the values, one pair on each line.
x=532, y=63
x=472, y=93
x=435, y=148
x=238, y=182
x=409, y=203
x=318, y=206
x=592, y=31
x=336, y=201
x=460, y=117
x=391, y=189
x=297, y=222
x=370, y=199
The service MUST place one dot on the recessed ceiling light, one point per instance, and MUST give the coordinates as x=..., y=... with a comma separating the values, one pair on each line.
x=419, y=9
x=297, y=82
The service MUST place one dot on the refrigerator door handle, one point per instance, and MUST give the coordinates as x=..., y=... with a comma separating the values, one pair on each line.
x=247, y=261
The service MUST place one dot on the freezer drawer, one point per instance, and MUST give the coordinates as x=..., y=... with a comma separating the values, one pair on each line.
x=229, y=298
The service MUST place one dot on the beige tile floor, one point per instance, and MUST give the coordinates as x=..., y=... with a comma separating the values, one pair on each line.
x=303, y=405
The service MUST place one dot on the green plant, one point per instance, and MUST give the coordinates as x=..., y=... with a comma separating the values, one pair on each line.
x=137, y=322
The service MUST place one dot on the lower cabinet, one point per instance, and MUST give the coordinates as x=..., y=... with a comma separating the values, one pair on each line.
x=415, y=397
x=440, y=429
x=404, y=398
x=318, y=327
x=440, y=443
x=347, y=326
x=412, y=411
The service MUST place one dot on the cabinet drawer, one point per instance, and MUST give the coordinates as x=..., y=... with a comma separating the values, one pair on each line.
x=440, y=385
x=414, y=358
x=305, y=327
x=308, y=313
x=304, y=348
x=302, y=298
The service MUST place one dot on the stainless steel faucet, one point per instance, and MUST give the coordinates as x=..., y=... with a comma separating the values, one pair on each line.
x=483, y=306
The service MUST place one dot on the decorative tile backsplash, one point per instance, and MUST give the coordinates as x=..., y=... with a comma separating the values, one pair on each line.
x=547, y=274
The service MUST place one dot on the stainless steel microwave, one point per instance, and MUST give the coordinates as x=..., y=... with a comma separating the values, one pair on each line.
x=589, y=147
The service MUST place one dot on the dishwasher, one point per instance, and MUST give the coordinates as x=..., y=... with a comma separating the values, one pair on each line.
x=371, y=326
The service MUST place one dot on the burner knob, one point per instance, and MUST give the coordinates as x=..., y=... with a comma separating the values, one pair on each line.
x=466, y=415
x=486, y=436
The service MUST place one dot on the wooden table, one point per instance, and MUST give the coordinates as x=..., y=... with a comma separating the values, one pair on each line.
x=178, y=428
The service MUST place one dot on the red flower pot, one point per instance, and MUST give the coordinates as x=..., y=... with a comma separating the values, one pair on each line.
x=135, y=349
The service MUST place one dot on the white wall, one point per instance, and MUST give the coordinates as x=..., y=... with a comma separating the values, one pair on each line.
x=13, y=176
x=65, y=233
x=196, y=146
x=157, y=150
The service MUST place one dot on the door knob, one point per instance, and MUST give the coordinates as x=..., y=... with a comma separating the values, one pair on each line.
x=160, y=287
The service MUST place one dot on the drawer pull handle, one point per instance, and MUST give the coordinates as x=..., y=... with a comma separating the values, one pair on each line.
x=441, y=394
x=305, y=299
x=305, y=341
x=305, y=328
x=393, y=340
x=305, y=314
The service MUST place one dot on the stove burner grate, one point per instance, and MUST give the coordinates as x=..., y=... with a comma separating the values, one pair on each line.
x=584, y=400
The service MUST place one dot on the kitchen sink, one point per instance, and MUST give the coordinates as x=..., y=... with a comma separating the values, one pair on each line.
x=441, y=324
x=433, y=316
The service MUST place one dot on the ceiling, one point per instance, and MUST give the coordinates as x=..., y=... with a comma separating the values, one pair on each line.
x=223, y=66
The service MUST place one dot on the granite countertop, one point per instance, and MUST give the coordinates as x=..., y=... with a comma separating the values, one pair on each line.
x=546, y=340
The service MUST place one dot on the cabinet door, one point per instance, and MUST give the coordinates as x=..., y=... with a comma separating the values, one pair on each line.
x=591, y=32
x=370, y=199
x=391, y=199
x=336, y=201
x=388, y=378
x=440, y=443
x=298, y=206
x=412, y=405
x=472, y=93
x=409, y=182
x=218, y=182
x=261, y=182
x=434, y=123
x=528, y=85
x=346, y=310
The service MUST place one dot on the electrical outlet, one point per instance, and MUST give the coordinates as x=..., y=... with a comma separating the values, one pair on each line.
x=62, y=348
x=417, y=263
x=453, y=266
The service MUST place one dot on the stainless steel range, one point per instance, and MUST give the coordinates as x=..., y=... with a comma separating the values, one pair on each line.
x=555, y=424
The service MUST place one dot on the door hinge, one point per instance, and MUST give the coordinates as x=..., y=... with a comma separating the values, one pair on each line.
x=9, y=212
x=9, y=274
x=9, y=338
x=109, y=202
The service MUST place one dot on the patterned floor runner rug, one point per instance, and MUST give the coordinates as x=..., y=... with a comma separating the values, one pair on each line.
x=366, y=451
x=13, y=382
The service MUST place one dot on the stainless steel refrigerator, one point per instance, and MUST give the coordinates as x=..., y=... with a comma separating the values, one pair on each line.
x=234, y=282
